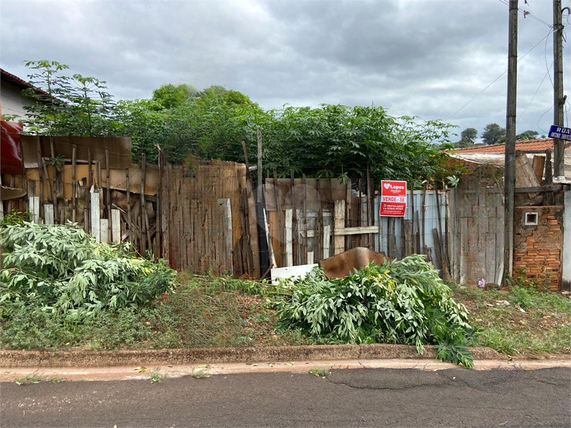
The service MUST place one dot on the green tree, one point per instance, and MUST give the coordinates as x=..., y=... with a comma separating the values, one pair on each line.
x=493, y=133
x=68, y=105
x=469, y=135
x=527, y=135
x=170, y=96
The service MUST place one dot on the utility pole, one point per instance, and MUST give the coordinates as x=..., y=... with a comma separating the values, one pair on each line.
x=558, y=99
x=509, y=172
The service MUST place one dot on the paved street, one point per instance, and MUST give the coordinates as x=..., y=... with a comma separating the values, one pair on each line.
x=346, y=398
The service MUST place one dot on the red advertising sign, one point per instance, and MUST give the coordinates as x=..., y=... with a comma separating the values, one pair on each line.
x=393, y=198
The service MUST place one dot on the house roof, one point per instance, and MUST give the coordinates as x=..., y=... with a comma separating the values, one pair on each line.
x=494, y=154
x=17, y=81
x=530, y=146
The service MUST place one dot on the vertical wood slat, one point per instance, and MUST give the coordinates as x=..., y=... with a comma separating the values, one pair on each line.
x=370, y=208
x=49, y=214
x=339, y=223
x=108, y=194
x=157, y=249
x=305, y=245
x=34, y=207
x=95, y=216
x=41, y=178
x=348, y=219
x=414, y=250
x=52, y=186
x=288, y=237
x=143, y=205
x=73, y=185
x=318, y=237
x=128, y=195
x=116, y=226
x=87, y=211
x=226, y=213
x=326, y=241
x=295, y=225
x=280, y=220
x=104, y=230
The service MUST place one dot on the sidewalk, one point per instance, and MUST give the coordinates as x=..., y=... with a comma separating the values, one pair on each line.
x=139, y=364
x=56, y=374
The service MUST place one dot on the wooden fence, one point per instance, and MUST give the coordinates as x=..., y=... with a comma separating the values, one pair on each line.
x=203, y=217
x=312, y=219
x=208, y=219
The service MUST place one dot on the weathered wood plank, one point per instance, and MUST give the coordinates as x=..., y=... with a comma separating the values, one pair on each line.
x=288, y=237
x=104, y=229
x=326, y=241
x=339, y=224
x=95, y=216
x=226, y=212
x=116, y=226
x=49, y=214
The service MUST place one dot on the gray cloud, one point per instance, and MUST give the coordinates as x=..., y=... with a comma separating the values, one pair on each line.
x=424, y=58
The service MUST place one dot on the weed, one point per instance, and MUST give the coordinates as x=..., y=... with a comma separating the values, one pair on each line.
x=200, y=374
x=37, y=378
x=156, y=376
x=544, y=327
x=319, y=372
x=15, y=218
x=521, y=296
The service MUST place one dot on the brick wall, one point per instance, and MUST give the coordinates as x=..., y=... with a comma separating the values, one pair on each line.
x=538, y=248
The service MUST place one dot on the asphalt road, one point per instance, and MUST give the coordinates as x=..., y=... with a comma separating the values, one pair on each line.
x=345, y=398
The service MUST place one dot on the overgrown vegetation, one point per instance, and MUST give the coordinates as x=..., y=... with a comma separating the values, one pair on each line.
x=520, y=320
x=328, y=141
x=401, y=301
x=57, y=280
x=59, y=289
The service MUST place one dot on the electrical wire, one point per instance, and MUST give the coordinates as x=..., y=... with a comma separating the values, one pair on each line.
x=541, y=117
x=533, y=97
x=526, y=13
x=497, y=78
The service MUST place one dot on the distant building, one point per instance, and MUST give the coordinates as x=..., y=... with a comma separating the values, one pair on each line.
x=495, y=153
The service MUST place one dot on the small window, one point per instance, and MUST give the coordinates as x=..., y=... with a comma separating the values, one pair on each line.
x=531, y=219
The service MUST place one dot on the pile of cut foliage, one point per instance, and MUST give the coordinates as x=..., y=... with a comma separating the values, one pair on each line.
x=401, y=301
x=59, y=272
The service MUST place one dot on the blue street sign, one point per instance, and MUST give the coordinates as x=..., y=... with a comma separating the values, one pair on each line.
x=560, y=133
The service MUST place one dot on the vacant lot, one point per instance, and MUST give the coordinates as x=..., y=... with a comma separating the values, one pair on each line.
x=218, y=312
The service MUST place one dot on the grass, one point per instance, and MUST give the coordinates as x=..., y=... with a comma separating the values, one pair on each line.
x=207, y=311
x=319, y=372
x=519, y=321
x=37, y=378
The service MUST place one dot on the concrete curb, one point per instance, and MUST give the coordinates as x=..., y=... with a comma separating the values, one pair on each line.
x=73, y=358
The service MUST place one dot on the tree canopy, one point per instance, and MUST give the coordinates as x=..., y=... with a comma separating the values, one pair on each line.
x=527, y=135
x=493, y=133
x=327, y=141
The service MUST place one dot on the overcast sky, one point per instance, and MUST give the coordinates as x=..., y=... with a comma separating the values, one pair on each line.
x=426, y=58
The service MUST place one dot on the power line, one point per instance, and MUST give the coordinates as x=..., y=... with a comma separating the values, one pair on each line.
x=497, y=78
x=533, y=97
x=527, y=13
